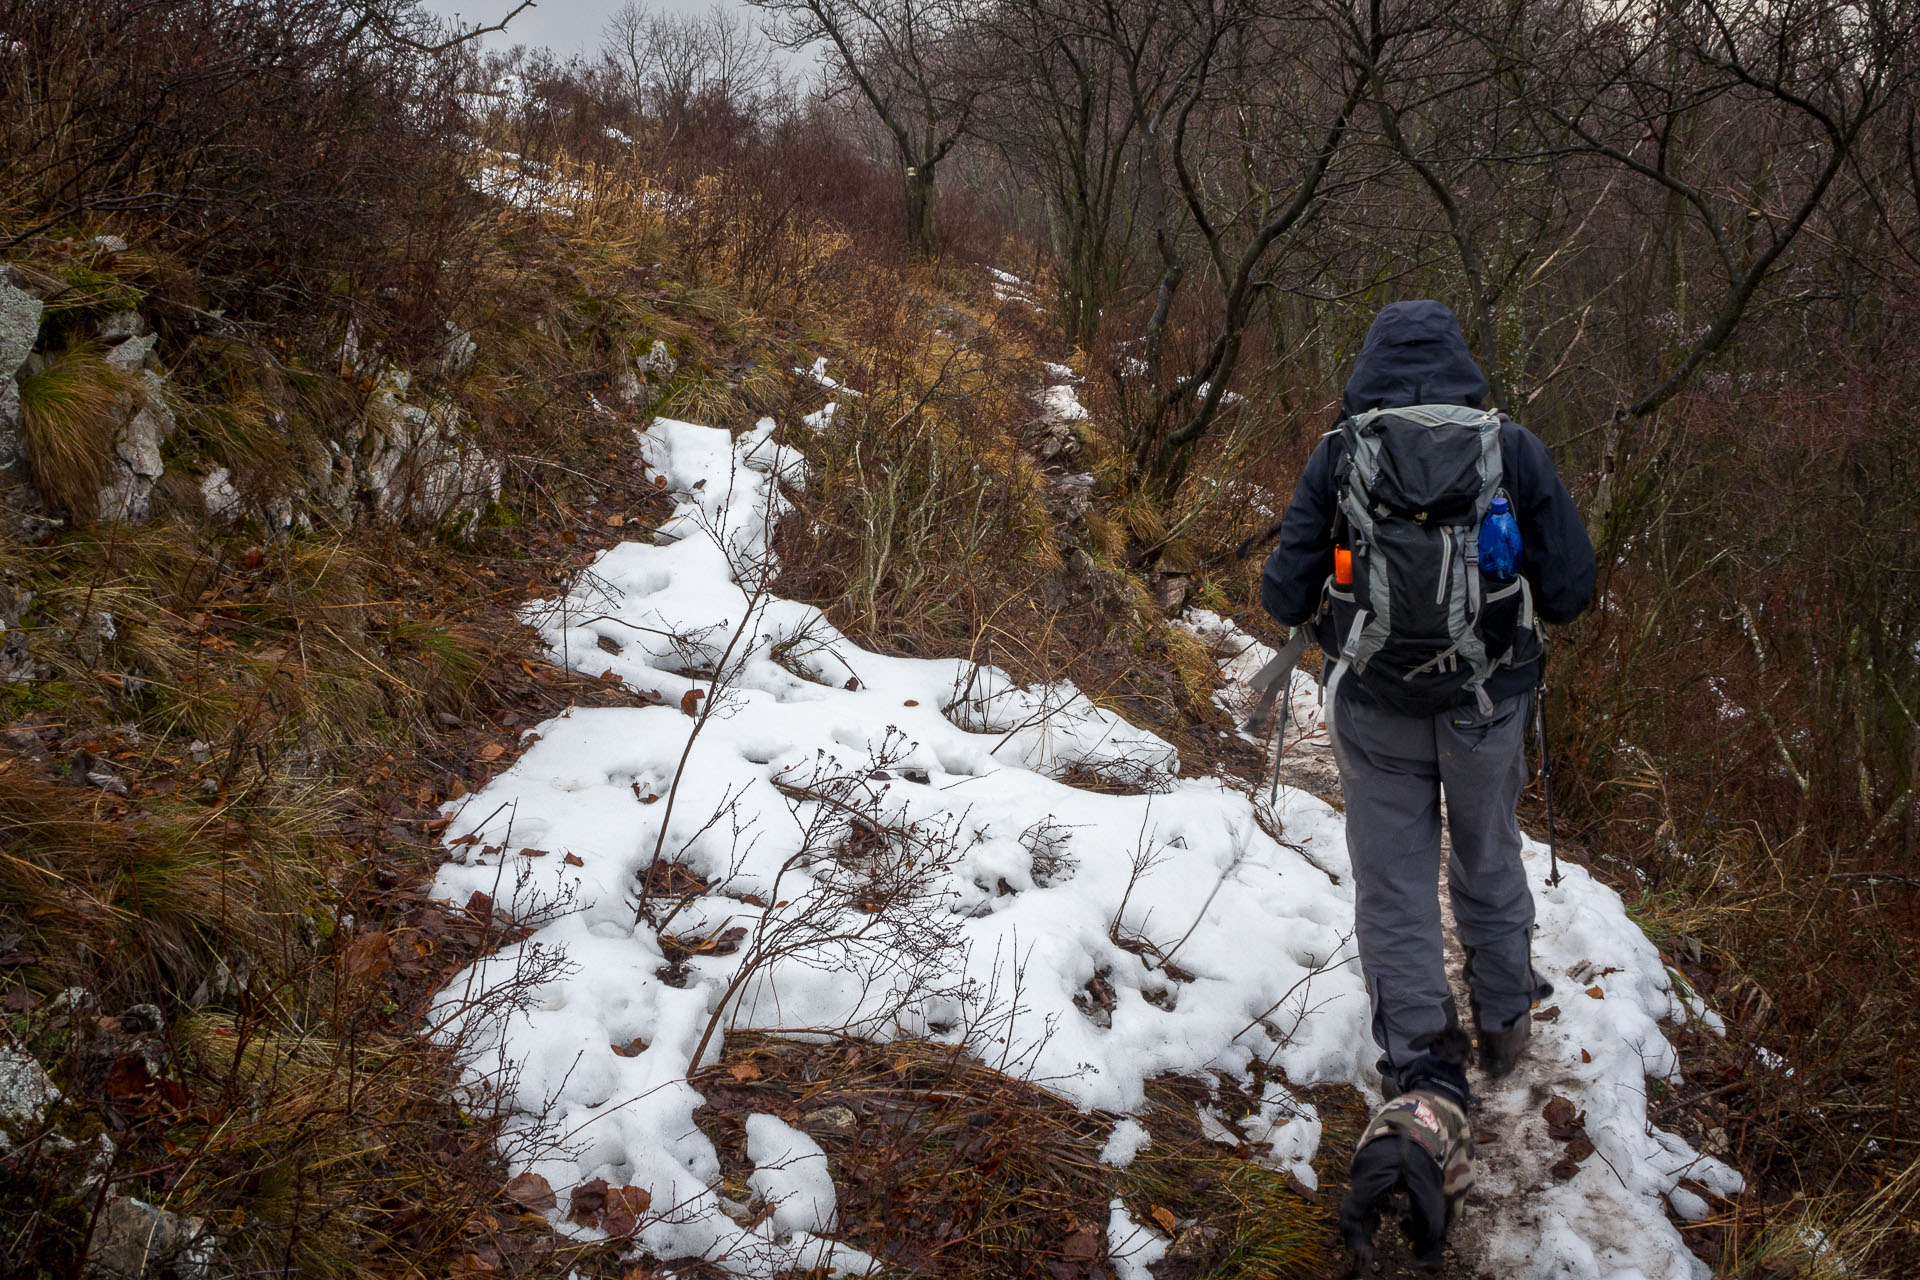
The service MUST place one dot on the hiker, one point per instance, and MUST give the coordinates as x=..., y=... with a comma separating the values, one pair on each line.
x=1425, y=700
x=1398, y=549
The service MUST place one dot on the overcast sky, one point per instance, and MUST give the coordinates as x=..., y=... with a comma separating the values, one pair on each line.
x=565, y=26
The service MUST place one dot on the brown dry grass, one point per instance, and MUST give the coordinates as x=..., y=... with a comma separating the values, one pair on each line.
x=952, y=1168
x=72, y=407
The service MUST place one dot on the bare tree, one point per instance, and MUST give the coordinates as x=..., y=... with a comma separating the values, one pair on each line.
x=1061, y=119
x=1241, y=111
x=679, y=64
x=916, y=63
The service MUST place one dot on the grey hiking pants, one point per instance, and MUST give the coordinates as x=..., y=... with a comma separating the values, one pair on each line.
x=1393, y=771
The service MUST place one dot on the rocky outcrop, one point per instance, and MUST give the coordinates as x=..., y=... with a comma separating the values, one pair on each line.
x=133, y=1240
x=26, y=1095
x=419, y=462
x=148, y=422
x=655, y=367
x=19, y=327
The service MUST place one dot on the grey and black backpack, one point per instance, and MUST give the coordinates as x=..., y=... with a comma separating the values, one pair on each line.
x=1419, y=626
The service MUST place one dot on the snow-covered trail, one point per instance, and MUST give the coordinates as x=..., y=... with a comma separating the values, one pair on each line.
x=1596, y=1043
x=880, y=845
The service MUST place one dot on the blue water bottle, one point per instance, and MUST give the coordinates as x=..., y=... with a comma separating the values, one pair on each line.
x=1499, y=542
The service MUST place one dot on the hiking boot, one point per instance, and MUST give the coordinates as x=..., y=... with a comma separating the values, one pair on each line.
x=1500, y=1050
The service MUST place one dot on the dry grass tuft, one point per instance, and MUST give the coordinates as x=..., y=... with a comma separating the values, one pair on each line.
x=73, y=406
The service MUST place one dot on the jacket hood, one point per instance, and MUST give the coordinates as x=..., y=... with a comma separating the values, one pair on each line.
x=1415, y=353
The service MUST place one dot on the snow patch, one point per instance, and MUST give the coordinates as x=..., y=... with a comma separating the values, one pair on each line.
x=1031, y=886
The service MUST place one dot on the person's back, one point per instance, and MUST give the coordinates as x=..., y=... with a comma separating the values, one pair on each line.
x=1432, y=667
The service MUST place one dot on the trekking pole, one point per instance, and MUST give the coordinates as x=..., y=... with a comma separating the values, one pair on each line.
x=1279, y=749
x=1546, y=773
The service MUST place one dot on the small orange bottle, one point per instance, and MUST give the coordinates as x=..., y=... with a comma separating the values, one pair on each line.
x=1342, y=567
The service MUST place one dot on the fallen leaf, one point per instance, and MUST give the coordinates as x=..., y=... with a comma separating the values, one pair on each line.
x=1547, y=1014
x=853, y=684
x=608, y=675
x=690, y=701
x=659, y=482
x=1565, y=1122
x=1565, y=1167
x=632, y=1049
x=574, y=860
x=1081, y=1246
x=587, y=1202
x=19, y=1000
x=1596, y=993
x=531, y=1191
x=744, y=1071
x=368, y=955
x=533, y=853
x=1164, y=1216
x=474, y=1264
x=614, y=522
x=911, y=702
x=492, y=751
x=1579, y=1149
x=624, y=1207
x=480, y=906
x=1585, y=1056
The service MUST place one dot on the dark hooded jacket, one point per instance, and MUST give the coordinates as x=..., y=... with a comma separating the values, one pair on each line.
x=1416, y=354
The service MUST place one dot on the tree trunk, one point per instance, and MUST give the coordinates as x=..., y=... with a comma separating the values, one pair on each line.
x=920, y=208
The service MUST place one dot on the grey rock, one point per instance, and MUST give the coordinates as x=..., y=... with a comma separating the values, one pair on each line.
x=27, y=1093
x=1073, y=494
x=122, y=325
x=19, y=329
x=657, y=364
x=419, y=463
x=143, y=1020
x=133, y=1240
x=130, y=354
x=458, y=351
x=222, y=499
x=128, y=494
x=833, y=1121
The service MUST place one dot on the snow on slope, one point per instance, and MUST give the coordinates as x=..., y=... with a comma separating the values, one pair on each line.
x=1236, y=944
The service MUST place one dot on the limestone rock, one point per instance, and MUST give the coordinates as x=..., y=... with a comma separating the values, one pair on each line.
x=127, y=495
x=19, y=329
x=1072, y=495
x=458, y=351
x=133, y=1240
x=418, y=462
x=16, y=661
x=658, y=364
x=222, y=499
x=26, y=1095
x=130, y=353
